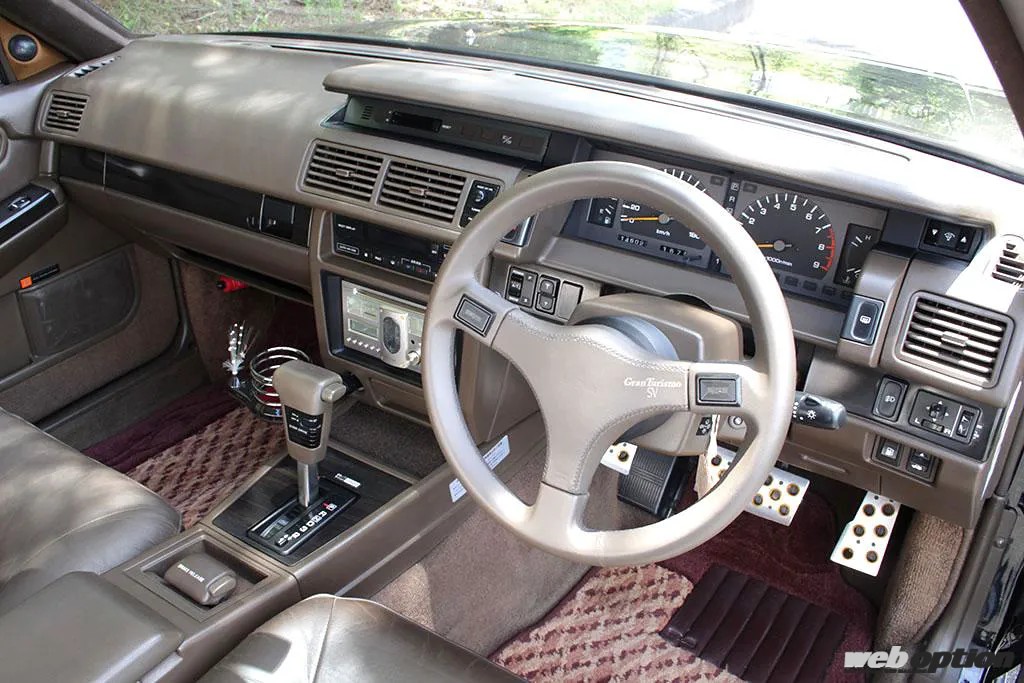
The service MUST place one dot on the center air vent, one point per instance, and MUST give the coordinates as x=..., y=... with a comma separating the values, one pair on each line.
x=344, y=172
x=428, y=192
x=64, y=113
x=957, y=341
x=1009, y=267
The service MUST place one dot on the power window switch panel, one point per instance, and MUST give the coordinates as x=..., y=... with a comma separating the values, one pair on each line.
x=865, y=539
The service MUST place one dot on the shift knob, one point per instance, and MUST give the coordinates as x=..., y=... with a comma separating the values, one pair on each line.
x=307, y=392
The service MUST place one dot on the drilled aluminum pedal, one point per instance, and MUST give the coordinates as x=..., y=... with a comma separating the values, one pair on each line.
x=865, y=539
x=778, y=498
x=619, y=457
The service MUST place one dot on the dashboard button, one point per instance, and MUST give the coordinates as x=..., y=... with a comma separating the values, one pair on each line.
x=474, y=316
x=921, y=464
x=889, y=398
x=862, y=320
x=546, y=303
x=548, y=286
x=888, y=453
x=718, y=390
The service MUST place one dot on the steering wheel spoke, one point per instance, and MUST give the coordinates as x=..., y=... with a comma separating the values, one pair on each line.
x=475, y=309
x=729, y=388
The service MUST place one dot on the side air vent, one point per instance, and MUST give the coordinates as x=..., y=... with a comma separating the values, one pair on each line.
x=1009, y=267
x=427, y=192
x=64, y=113
x=89, y=68
x=344, y=172
x=956, y=340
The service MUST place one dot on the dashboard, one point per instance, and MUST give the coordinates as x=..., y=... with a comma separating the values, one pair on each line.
x=340, y=175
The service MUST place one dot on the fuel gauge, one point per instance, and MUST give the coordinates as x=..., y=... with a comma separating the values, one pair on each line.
x=860, y=240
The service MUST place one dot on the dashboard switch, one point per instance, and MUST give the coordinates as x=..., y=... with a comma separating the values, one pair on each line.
x=862, y=320
x=888, y=453
x=718, y=390
x=889, y=398
x=921, y=465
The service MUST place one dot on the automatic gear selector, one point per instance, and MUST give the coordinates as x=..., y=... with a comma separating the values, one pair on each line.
x=307, y=394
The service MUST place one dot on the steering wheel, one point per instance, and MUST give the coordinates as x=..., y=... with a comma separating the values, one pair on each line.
x=592, y=383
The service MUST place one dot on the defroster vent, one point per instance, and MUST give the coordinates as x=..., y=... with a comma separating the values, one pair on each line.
x=343, y=172
x=64, y=112
x=955, y=339
x=429, y=192
x=1009, y=267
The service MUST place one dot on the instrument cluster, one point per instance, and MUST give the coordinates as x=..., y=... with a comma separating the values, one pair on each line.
x=816, y=245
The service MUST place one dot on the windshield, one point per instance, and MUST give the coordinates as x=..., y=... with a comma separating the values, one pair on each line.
x=913, y=67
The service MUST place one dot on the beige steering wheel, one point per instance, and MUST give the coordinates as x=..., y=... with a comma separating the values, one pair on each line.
x=592, y=383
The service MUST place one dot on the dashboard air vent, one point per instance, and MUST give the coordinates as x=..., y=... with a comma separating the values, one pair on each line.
x=959, y=342
x=429, y=192
x=89, y=68
x=345, y=172
x=1009, y=267
x=64, y=113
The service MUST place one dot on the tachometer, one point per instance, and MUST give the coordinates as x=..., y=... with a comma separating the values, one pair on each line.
x=793, y=233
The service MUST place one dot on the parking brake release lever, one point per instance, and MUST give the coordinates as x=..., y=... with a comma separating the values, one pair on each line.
x=818, y=411
x=307, y=393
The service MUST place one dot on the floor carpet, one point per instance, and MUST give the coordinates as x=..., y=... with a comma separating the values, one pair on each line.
x=197, y=473
x=607, y=628
x=163, y=429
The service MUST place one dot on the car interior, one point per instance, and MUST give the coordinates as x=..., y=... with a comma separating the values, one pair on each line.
x=355, y=358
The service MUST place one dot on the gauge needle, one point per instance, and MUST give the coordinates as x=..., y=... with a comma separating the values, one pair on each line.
x=777, y=245
x=641, y=218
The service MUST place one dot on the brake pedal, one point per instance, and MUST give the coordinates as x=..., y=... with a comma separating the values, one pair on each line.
x=778, y=498
x=863, y=542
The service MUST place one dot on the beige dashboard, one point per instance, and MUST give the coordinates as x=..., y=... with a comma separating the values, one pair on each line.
x=262, y=123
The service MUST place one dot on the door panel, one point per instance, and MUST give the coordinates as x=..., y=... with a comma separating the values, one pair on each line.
x=79, y=306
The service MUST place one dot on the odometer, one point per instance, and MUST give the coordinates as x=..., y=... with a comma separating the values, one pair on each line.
x=793, y=233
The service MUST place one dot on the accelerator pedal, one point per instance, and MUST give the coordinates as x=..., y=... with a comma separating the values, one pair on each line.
x=651, y=481
x=778, y=498
x=866, y=538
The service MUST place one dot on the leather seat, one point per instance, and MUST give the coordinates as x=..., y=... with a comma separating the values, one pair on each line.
x=62, y=512
x=326, y=638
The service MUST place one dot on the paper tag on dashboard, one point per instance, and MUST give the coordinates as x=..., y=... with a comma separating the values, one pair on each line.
x=493, y=458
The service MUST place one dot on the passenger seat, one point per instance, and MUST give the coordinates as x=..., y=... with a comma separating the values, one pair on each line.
x=62, y=512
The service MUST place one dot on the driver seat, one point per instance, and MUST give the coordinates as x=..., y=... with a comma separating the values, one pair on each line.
x=327, y=638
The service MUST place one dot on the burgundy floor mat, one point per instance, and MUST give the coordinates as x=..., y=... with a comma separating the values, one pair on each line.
x=195, y=474
x=794, y=560
x=164, y=428
x=608, y=627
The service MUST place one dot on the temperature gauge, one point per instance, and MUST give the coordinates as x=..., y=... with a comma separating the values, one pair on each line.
x=859, y=241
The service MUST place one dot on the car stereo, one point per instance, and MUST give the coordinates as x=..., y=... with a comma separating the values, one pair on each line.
x=389, y=249
x=382, y=326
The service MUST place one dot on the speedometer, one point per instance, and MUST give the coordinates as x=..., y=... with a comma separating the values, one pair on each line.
x=792, y=232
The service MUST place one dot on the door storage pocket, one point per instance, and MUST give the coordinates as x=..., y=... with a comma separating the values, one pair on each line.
x=79, y=306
